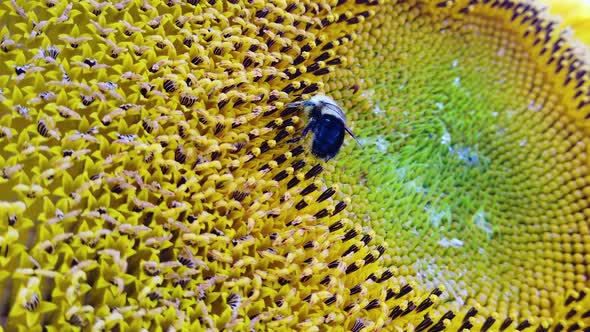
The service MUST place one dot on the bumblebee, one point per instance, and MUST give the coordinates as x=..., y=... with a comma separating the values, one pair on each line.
x=327, y=123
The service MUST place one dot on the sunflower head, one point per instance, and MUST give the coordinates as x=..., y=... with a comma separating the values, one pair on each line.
x=149, y=179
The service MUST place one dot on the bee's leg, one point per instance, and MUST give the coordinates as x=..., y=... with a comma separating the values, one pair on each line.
x=306, y=130
x=312, y=124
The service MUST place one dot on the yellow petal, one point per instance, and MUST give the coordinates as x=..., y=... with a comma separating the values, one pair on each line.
x=574, y=14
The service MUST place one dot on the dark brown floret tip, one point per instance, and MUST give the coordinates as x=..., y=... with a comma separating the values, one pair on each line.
x=426, y=323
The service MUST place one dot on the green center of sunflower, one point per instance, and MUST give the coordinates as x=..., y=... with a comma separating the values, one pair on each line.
x=471, y=169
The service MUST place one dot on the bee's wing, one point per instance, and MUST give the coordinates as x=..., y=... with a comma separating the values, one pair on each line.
x=340, y=113
x=335, y=109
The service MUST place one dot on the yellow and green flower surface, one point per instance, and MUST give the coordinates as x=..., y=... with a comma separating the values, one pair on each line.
x=147, y=181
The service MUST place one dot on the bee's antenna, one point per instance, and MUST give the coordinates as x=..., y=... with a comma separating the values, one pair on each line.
x=294, y=104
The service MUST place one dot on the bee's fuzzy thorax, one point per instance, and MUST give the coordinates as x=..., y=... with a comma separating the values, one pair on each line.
x=320, y=102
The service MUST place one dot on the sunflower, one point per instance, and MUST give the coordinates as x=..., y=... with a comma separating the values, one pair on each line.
x=148, y=181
